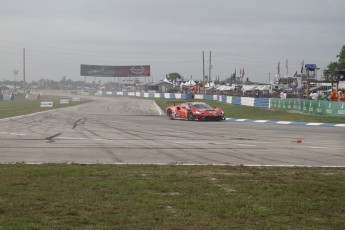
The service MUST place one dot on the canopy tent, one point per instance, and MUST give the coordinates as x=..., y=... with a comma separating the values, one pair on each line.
x=166, y=80
x=310, y=66
x=209, y=85
x=246, y=88
x=189, y=83
x=263, y=87
x=225, y=87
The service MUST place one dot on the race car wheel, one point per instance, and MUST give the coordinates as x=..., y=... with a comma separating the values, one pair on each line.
x=190, y=116
x=169, y=113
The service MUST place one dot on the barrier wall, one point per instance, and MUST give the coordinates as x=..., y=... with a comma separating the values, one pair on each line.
x=316, y=107
x=248, y=101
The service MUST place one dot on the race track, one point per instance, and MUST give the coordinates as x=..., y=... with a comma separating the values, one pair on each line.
x=124, y=130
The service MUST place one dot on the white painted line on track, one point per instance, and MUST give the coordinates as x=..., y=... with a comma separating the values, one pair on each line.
x=219, y=143
x=284, y=122
x=15, y=134
x=28, y=115
x=159, y=109
x=18, y=134
x=317, y=147
x=261, y=121
x=246, y=145
x=314, y=124
x=71, y=138
x=81, y=138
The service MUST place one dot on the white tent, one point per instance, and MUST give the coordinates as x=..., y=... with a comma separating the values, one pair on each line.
x=246, y=88
x=263, y=87
x=187, y=84
x=221, y=87
x=227, y=87
x=166, y=80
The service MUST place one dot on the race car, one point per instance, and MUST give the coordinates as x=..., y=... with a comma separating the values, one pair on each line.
x=195, y=111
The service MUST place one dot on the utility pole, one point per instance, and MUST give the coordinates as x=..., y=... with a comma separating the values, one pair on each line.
x=24, y=71
x=209, y=69
x=203, y=71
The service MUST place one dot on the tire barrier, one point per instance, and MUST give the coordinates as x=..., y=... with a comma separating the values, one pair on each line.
x=248, y=101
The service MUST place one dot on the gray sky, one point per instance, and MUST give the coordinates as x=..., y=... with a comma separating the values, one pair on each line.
x=169, y=35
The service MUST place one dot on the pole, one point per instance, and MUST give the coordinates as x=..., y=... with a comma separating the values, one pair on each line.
x=209, y=70
x=24, y=84
x=203, y=71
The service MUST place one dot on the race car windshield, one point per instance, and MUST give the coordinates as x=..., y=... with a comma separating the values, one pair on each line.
x=201, y=106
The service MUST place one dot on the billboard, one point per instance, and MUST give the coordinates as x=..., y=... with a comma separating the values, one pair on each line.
x=114, y=71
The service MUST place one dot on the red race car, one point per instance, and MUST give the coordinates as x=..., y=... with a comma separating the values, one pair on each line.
x=195, y=111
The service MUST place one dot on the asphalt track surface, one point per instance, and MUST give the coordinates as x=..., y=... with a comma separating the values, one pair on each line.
x=125, y=130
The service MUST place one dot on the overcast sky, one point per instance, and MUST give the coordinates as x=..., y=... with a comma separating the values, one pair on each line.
x=169, y=35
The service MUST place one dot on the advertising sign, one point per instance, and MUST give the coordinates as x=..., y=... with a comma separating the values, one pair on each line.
x=64, y=101
x=47, y=104
x=316, y=107
x=114, y=71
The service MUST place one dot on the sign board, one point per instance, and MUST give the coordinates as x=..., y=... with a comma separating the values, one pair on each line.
x=316, y=107
x=7, y=97
x=46, y=104
x=76, y=99
x=115, y=71
x=64, y=101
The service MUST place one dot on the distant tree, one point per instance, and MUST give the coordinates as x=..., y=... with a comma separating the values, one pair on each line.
x=339, y=65
x=174, y=76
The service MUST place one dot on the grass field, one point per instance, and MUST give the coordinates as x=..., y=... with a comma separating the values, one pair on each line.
x=21, y=106
x=248, y=112
x=58, y=196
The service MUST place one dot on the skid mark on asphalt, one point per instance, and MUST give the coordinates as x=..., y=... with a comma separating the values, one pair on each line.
x=50, y=139
x=80, y=121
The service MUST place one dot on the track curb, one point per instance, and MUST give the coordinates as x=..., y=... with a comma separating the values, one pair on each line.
x=286, y=122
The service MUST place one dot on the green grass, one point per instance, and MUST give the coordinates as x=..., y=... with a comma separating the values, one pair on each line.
x=59, y=196
x=248, y=112
x=21, y=106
